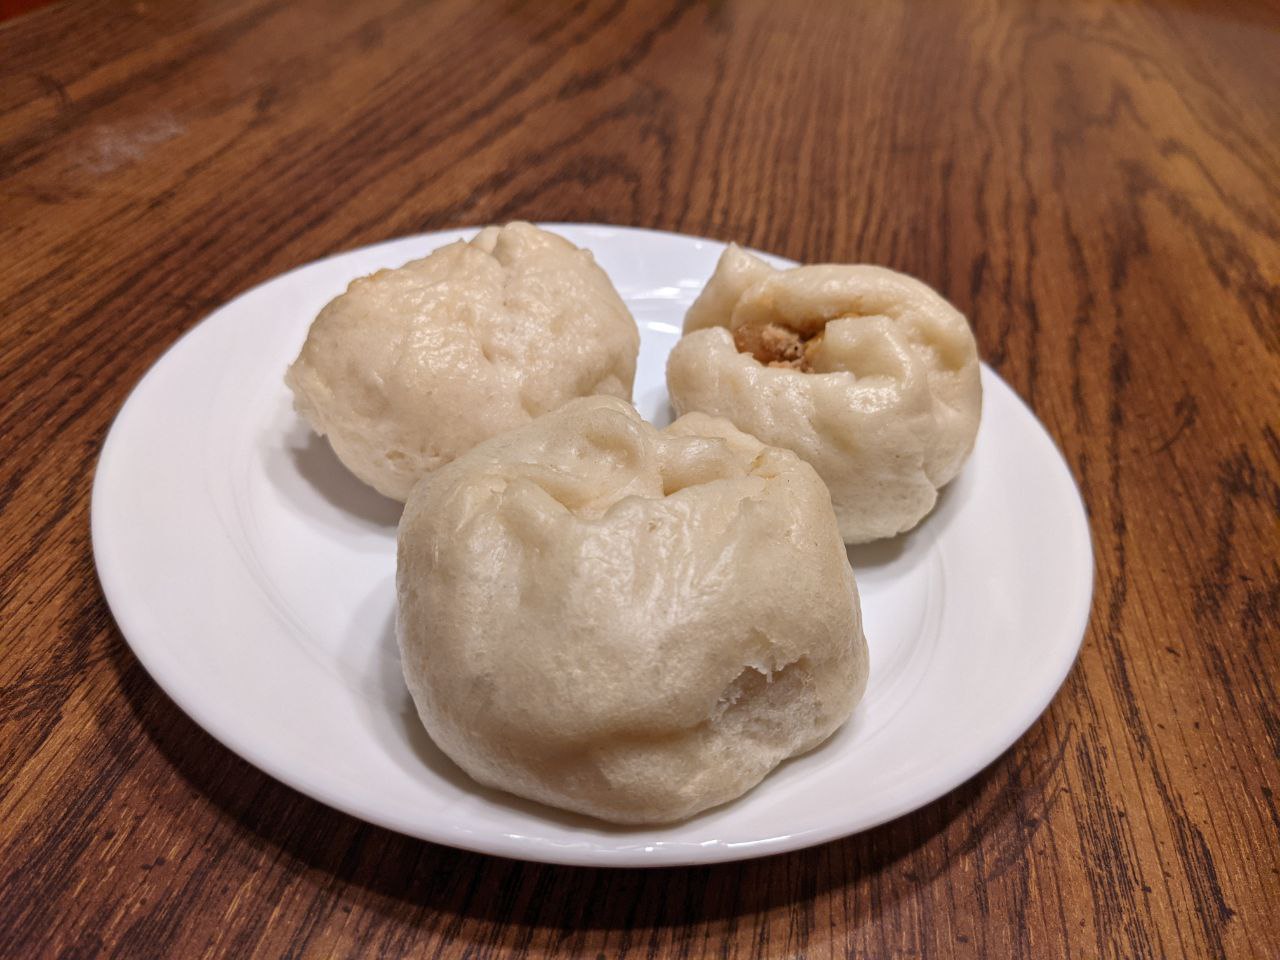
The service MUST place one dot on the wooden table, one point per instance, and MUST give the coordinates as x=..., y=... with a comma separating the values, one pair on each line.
x=1096, y=185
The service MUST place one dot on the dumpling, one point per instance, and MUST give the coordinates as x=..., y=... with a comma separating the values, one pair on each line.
x=412, y=367
x=869, y=375
x=631, y=623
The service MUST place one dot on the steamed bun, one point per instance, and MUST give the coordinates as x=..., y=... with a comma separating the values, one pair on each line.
x=412, y=367
x=631, y=623
x=867, y=374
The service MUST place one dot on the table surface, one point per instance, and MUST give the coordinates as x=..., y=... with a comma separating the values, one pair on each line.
x=1096, y=185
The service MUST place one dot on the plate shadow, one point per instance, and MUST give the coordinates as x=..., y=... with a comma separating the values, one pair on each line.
x=316, y=463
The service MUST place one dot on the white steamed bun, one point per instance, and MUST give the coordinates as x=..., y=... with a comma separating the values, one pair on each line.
x=631, y=623
x=412, y=367
x=869, y=375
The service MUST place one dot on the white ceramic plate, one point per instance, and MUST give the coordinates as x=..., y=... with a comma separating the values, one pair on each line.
x=253, y=577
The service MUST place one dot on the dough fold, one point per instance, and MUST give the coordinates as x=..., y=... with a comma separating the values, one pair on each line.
x=630, y=623
x=411, y=367
x=867, y=374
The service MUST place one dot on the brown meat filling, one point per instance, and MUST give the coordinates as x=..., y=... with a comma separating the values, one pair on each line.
x=777, y=346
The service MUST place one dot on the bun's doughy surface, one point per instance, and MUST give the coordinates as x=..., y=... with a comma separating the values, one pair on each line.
x=625, y=622
x=869, y=375
x=412, y=367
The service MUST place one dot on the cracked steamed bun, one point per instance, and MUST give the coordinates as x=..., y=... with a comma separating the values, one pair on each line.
x=868, y=375
x=626, y=622
x=412, y=367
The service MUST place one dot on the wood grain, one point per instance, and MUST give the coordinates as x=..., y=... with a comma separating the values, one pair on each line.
x=1096, y=184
